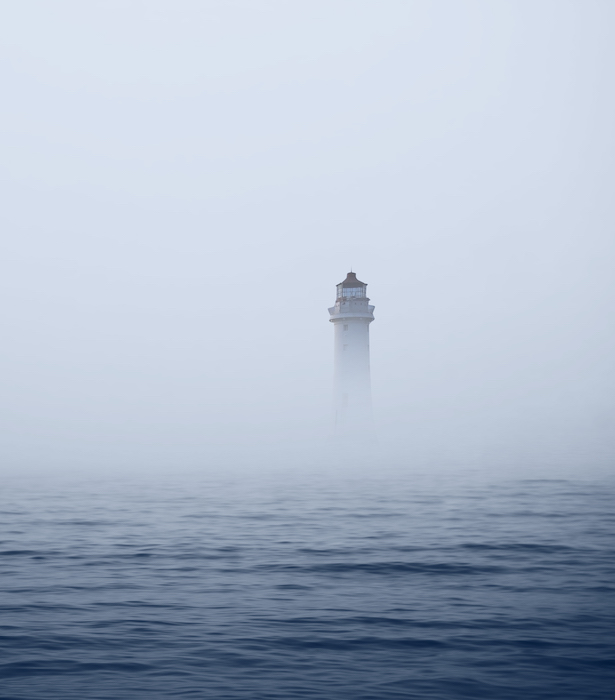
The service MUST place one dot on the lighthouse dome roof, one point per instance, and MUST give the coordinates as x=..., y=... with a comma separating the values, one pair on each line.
x=352, y=281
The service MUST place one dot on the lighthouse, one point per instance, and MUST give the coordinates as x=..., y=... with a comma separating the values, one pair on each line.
x=351, y=316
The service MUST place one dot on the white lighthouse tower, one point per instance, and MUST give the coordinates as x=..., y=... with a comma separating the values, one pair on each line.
x=351, y=317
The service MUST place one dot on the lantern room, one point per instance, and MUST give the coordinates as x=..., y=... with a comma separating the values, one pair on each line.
x=351, y=288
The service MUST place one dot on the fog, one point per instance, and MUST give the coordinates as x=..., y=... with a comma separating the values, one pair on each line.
x=185, y=183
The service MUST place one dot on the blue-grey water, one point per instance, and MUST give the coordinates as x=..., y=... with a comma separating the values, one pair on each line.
x=285, y=586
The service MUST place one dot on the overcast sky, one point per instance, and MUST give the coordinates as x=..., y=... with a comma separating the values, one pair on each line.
x=184, y=183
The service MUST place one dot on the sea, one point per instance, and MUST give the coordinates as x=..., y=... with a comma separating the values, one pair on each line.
x=369, y=585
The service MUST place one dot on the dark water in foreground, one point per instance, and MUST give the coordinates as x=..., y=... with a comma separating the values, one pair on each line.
x=307, y=587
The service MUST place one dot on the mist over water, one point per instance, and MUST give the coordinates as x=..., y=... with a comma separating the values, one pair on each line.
x=183, y=187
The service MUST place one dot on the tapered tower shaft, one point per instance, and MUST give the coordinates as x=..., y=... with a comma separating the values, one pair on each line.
x=351, y=316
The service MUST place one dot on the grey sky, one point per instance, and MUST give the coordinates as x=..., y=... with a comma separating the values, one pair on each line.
x=184, y=183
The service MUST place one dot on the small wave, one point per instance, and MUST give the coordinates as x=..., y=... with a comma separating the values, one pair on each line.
x=387, y=568
x=517, y=546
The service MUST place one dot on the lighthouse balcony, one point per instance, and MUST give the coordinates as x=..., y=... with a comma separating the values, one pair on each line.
x=340, y=313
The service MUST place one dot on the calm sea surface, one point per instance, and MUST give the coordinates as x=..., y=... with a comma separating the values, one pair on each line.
x=322, y=586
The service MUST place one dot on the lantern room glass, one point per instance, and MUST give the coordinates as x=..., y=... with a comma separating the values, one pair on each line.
x=350, y=292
